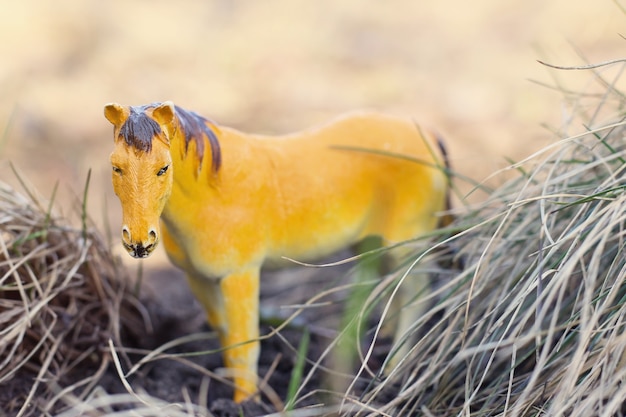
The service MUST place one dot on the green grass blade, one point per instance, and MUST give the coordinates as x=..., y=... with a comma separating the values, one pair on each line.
x=298, y=370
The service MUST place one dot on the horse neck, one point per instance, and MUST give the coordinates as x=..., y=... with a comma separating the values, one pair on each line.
x=243, y=161
x=194, y=156
x=190, y=174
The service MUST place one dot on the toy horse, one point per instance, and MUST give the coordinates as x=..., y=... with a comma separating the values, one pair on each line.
x=224, y=202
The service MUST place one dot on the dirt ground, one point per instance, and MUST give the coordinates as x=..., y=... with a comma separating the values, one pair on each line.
x=468, y=70
x=175, y=314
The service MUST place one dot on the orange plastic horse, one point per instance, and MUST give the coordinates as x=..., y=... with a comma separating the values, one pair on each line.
x=228, y=201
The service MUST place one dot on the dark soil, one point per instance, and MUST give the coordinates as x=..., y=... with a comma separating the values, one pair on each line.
x=175, y=314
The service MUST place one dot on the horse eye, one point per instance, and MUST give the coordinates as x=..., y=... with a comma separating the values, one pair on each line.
x=162, y=170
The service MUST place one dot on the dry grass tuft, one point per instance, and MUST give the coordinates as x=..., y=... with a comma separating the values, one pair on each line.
x=62, y=298
x=533, y=324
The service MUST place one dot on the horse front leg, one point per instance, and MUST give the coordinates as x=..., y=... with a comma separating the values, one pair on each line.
x=231, y=306
x=240, y=296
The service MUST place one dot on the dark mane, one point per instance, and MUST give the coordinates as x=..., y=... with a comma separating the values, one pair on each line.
x=196, y=128
x=139, y=129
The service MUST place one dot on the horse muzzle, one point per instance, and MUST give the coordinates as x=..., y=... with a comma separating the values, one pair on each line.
x=139, y=249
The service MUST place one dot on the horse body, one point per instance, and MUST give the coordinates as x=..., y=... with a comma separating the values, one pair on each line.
x=229, y=202
x=303, y=196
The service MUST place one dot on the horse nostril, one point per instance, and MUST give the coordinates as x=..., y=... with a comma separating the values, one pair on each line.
x=125, y=234
x=152, y=234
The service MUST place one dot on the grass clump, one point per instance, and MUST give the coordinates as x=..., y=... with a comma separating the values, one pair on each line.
x=62, y=299
x=533, y=324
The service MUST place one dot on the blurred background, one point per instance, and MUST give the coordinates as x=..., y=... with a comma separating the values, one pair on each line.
x=466, y=69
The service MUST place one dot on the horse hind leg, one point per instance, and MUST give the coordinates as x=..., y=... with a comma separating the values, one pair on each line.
x=409, y=303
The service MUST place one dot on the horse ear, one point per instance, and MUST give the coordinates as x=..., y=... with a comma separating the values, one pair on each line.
x=164, y=113
x=115, y=113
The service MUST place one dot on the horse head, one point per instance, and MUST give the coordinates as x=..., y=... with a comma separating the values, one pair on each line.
x=141, y=170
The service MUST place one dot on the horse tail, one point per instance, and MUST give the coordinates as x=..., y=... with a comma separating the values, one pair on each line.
x=447, y=218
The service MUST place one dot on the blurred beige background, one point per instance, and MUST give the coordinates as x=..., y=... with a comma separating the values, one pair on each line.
x=462, y=68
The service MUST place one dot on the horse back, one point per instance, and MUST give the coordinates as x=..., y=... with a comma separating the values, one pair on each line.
x=364, y=174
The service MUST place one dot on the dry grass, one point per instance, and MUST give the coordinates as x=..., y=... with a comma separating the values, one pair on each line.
x=63, y=299
x=533, y=323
